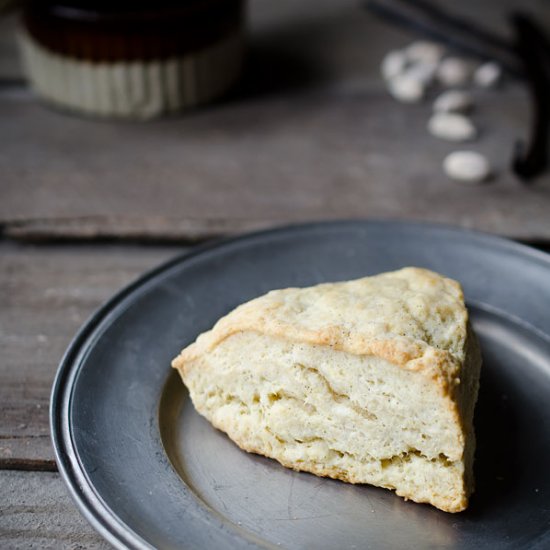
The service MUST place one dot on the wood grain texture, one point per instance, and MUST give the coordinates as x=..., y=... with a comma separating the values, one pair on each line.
x=45, y=295
x=37, y=512
x=357, y=155
x=310, y=134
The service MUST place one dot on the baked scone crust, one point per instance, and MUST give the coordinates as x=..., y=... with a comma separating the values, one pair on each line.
x=412, y=321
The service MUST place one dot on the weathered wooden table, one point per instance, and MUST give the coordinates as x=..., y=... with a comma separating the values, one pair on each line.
x=86, y=206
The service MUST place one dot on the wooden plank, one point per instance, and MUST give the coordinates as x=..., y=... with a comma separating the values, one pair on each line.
x=45, y=295
x=319, y=138
x=37, y=512
x=314, y=157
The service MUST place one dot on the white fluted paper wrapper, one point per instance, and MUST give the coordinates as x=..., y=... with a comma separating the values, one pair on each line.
x=133, y=89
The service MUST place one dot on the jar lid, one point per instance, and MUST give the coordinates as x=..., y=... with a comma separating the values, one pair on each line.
x=110, y=31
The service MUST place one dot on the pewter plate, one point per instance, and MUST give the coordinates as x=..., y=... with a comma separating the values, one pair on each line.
x=147, y=471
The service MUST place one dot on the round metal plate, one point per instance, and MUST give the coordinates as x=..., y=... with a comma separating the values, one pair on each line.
x=147, y=471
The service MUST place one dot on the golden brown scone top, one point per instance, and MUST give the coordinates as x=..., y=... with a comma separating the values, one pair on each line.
x=414, y=318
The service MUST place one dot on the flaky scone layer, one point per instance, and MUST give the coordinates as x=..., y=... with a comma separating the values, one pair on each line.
x=369, y=381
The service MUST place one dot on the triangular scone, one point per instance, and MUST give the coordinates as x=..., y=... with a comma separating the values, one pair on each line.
x=367, y=381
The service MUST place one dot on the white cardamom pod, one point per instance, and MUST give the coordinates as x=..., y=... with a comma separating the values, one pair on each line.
x=393, y=64
x=406, y=88
x=488, y=75
x=452, y=127
x=467, y=167
x=453, y=101
x=424, y=51
x=454, y=71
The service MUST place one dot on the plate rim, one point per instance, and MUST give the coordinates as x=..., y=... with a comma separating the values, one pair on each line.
x=102, y=518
